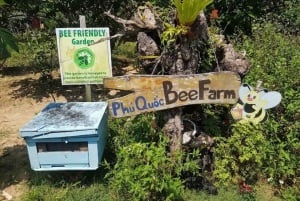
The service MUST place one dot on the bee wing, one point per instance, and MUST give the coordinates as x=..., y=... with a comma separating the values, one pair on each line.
x=272, y=98
x=244, y=90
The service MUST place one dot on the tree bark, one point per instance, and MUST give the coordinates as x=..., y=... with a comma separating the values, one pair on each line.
x=173, y=128
x=183, y=57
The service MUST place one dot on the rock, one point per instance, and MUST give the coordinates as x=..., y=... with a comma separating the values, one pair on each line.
x=230, y=60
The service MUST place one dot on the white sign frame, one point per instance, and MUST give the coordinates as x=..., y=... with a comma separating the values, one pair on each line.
x=82, y=62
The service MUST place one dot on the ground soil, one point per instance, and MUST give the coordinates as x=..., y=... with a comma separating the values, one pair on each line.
x=22, y=96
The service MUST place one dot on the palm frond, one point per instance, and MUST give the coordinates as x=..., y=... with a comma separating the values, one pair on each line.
x=188, y=10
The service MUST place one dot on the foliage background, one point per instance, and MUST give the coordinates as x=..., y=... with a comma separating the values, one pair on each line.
x=269, y=33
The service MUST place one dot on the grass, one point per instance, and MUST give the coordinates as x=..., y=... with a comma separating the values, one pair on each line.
x=223, y=194
x=64, y=186
x=74, y=192
x=91, y=186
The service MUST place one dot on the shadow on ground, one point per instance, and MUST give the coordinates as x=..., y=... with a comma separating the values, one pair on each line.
x=15, y=169
x=17, y=71
x=24, y=82
x=14, y=165
x=40, y=88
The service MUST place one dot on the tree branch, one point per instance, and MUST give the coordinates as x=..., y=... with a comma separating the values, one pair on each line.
x=107, y=38
x=143, y=19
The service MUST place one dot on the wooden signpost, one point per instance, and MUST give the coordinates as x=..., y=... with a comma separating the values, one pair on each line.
x=159, y=92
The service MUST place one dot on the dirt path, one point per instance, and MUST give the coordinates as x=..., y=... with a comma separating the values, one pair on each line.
x=20, y=101
x=22, y=96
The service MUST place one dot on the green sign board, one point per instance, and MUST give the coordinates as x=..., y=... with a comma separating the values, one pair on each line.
x=81, y=61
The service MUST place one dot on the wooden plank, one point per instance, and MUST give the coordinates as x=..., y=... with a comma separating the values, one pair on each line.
x=56, y=158
x=88, y=90
x=153, y=93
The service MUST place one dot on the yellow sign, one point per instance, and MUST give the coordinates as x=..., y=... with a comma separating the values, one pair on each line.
x=81, y=61
x=253, y=103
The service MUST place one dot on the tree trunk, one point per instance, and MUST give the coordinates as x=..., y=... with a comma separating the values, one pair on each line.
x=184, y=56
x=173, y=128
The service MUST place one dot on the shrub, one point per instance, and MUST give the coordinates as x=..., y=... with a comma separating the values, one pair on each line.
x=41, y=46
x=272, y=148
x=240, y=156
x=143, y=170
x=239, y=16
x=7, y=43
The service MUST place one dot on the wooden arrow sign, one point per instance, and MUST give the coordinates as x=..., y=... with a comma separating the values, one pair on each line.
x=159, y=92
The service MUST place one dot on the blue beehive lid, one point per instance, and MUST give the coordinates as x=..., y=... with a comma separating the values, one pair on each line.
x=66, y=119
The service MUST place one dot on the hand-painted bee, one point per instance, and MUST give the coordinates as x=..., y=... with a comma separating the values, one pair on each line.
x=252, y=104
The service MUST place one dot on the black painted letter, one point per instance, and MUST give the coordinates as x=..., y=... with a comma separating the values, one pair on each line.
x=202, y=89
x=167, y=85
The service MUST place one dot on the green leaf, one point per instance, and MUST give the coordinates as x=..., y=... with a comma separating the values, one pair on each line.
x=7, y=39
x=2, y=3
x=188, y=10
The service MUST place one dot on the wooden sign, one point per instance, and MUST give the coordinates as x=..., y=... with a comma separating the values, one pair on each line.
x=159, y=92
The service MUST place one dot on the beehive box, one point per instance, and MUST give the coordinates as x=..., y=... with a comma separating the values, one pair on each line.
x=67, y=136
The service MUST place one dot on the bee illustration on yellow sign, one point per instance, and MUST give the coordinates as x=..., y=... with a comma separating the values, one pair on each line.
x=81, y=61
x=252, y=104
x=84, y=58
